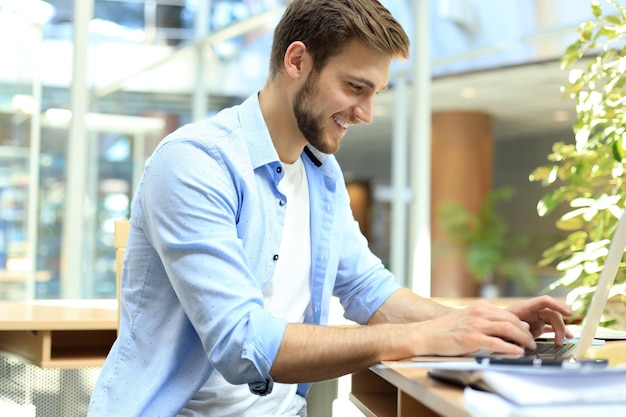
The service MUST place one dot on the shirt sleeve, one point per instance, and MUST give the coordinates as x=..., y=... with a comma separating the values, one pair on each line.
x=363, y=283
x=189, y=197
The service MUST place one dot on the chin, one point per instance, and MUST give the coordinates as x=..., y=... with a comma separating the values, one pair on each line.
x=330, y=146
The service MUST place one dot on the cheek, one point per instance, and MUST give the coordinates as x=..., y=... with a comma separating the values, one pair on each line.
x=330, y=105
x=331, y=98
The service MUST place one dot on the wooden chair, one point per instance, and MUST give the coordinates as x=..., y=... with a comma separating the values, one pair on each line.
x=121, y=236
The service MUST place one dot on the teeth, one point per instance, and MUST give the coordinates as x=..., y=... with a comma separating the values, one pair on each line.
x=341, y=122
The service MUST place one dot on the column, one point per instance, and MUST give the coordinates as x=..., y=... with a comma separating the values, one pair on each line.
x=462, y=151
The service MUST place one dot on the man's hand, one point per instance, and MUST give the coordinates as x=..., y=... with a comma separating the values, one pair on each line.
x=479, y=326
x=485, y=326
x=438, y=330
x=543, y=314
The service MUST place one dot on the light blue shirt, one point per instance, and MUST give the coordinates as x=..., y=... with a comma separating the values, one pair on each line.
x=206, y=223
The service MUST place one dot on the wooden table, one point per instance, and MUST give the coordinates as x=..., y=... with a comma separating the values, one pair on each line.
x=65, y=334
x=400, y=391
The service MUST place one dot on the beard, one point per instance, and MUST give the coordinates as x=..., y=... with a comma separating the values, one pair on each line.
x=309, y=123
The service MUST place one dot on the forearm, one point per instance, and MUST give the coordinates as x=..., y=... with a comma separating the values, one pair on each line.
x=310, y=353
x=404, y=306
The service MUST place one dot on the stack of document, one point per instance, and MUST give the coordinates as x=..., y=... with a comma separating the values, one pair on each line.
x=485, y=404
x=538, y=392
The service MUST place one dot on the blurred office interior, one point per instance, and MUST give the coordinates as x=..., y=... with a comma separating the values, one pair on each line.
x=132, y=71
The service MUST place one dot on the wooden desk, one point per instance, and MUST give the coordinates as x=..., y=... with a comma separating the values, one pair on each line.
x=384, y=391
x=400, y=392
x=64, y=334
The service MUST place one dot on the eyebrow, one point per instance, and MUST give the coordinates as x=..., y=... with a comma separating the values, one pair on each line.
x=370, y=84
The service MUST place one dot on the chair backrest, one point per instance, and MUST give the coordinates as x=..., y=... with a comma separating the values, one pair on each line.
x=121, y=236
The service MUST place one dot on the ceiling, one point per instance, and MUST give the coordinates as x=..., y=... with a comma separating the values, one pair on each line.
x=522, y=100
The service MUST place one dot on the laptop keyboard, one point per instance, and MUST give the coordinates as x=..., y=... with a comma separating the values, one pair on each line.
x=550, y=350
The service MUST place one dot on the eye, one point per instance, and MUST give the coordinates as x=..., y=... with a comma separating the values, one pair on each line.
x=356, y=87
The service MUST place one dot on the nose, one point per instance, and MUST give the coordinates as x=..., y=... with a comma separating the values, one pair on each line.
x=364, y=110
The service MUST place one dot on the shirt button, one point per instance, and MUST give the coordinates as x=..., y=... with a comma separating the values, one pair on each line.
x=279, y=169
x=282, y=202
x=275, y=257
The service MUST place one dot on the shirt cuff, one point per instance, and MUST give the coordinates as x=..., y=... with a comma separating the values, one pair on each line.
x=262, y=388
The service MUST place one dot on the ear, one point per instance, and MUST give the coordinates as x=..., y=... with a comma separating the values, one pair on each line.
x=297, y=60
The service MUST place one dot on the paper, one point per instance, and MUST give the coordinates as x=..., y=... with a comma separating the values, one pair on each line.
x=601, y=333
x=486, y=404
x=526, y=387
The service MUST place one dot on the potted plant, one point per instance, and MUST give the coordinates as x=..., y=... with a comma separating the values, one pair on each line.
x=490, y=253
x=589, y=175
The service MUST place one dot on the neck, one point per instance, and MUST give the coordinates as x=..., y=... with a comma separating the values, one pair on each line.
x=276, y=109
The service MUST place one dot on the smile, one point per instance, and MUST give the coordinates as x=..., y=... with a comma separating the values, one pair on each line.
x=341, y=123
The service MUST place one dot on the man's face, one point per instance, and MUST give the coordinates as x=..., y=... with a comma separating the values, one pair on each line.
x=341, y=95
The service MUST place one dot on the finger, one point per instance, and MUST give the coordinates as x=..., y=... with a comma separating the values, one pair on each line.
x=568, y=333
x=506, y=325
x=536, y=304
x=491, y=312
x=519, y=335
x=501, y=346
x=554, y=320
x=547, y=302
x=499, y=323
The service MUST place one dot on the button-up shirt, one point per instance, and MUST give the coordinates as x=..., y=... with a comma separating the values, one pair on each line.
x=206, y=223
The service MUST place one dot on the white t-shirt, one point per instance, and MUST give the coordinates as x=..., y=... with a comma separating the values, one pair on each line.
x=289, y=293
x=287, y=296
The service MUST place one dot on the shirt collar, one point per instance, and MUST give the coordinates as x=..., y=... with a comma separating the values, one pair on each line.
x=262, y=150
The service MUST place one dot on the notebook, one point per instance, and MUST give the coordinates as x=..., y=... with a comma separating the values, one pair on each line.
x=575, y=350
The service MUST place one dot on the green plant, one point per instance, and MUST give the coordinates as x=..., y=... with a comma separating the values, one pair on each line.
x=589, y=174
x=489, y=251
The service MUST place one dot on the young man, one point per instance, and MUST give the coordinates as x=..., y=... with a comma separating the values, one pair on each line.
x=241, y=231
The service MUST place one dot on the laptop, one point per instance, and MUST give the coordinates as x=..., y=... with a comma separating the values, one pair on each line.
x=547, y=351
x=569, y=356
x=591, y=322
